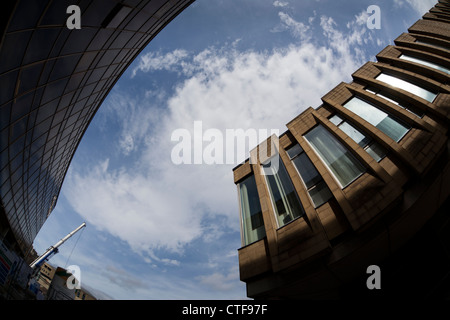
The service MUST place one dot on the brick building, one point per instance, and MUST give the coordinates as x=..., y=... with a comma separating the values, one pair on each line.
x=363, y=180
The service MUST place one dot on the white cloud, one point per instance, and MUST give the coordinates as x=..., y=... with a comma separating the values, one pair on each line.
x=298, y=30
x=155, y=205
x=156, y=61
x=221, y=281
x=280, y=4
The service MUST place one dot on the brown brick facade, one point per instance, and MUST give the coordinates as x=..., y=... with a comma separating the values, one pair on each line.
x=386, y=205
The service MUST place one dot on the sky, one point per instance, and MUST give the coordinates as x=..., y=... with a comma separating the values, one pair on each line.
x=161, y=230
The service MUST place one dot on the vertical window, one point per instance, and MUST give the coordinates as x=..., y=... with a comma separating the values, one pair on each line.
x=338, y=159
x=285, y=200
x=425, y=63
x=315, y=185
x=391, y=126
x=407, y=86
x=373, y=148
x=251, y=214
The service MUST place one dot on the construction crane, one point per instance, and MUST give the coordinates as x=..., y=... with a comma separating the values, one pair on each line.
x=36, y=264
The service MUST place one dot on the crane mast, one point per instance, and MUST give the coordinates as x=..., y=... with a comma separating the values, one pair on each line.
x=54, y=249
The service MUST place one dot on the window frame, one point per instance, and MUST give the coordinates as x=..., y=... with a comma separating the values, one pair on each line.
x=408, y=82
x=403, y=105
x=388, y=115
x=368, y=143
x=314, y=186
x=244, y=235
x=271, y=197
x=327, y=166
x=425, y=63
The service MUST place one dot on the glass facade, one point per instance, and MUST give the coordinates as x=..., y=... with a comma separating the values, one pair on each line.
x=315, y=185
x=373, y=148
x=341, y=162
x=425, y=63
x=251, y=214
x=391, y=126
x=407, y=86
x=284, y=198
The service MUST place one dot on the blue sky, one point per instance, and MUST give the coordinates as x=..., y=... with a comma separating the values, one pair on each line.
x=157, y=230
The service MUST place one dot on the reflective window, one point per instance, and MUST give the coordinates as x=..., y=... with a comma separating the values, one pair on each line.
x=285, y=200
x=425, y=63
x=391, y=126
x=407, y=106
x=314, y=183
x=341, y=162
x=251, y=214
x=432, y=44
x=407, y=86
x=373, y=148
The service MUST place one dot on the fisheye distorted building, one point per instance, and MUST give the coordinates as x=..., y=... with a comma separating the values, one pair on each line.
x=363, y=180
x=52, y=81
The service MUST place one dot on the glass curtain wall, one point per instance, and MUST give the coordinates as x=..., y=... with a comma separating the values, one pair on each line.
x=251, y=214
x=285, y=200
x=391, y=126
x=341, y=162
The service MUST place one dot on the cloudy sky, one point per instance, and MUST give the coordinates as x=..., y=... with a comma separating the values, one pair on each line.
x=158, y=230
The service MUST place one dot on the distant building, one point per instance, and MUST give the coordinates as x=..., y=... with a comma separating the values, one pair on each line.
x=52, y=281
x=83, y=294
x=45, y=277
x=363, y=182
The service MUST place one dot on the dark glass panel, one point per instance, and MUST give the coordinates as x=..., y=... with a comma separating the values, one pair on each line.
x=78, y=40
x=64, y=67
x=40, y=45
x=27, y=14
x=29, y=77
x=13, y=49
x=8, y=82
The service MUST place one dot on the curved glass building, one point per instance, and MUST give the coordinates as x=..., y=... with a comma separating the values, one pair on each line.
x=52, y=81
